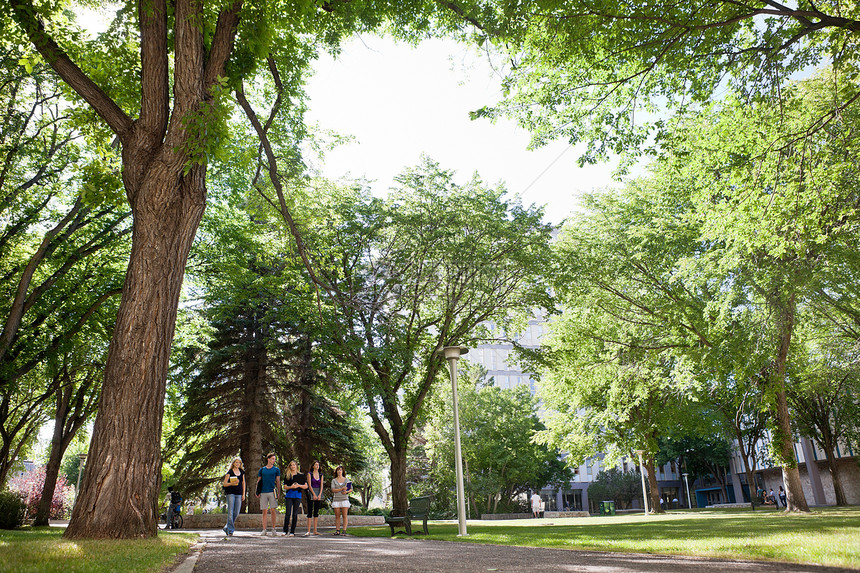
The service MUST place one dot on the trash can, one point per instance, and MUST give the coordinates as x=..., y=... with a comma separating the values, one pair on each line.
x=607, y=507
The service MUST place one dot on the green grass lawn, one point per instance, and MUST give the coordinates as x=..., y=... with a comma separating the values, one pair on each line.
x=43, y=549
x=829, y=536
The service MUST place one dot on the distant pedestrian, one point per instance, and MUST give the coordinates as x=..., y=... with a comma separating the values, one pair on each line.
x=782, y=497
x=269, y=480
x=340, y=489
x=772, y=497
x=294, y=484
x=314, y=491
x=234, y=489
x=536, y=503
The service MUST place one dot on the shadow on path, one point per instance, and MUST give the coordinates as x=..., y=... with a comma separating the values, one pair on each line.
x=249, y=552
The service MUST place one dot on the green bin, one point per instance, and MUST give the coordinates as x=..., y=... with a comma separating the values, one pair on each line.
x=607, y=507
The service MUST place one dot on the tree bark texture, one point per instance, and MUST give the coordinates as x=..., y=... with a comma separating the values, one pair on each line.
x=255, y=379
x=166, y=191
x=749, y=469
x=55, y=459
x=654, y=492
x=784, y=437
x=119, y=494
x=76, y=401
x=838, y=490
x=399, y=495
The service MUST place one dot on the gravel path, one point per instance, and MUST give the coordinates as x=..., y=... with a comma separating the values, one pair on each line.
x=250, y=552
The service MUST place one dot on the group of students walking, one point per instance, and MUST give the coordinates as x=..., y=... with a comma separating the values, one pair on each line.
x=295, y=486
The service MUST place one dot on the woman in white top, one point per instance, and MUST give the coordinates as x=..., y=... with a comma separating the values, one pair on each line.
x=340, y=489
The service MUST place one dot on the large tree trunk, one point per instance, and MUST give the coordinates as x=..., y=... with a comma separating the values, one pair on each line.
x=399, y=494
x=303, y=439
x=55, y=458
x=165, y=187
x=838, y=491
x=75, y=405
x=52, y=471
x=119, y=494
x=654, y=494
x=783, y=437
x=255, y=375
x=750, y=471
x=790, y=474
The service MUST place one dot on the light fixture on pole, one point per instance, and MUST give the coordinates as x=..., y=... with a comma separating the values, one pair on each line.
x=82, y=460
x=686, y=483
x=452, y=354
x=642, y=475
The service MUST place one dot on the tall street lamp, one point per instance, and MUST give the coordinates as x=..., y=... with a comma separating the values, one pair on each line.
x=642, y=475
x=686, y=483
x=452, y=354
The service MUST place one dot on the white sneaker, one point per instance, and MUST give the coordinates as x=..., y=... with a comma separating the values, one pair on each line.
x=292, y=534
x=264, y=533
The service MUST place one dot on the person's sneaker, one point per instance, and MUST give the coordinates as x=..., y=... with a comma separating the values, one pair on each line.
x=264, y=533
x=292, y=534
x=306, y=534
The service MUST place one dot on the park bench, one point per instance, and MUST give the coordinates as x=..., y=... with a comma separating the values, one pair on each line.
x=419, y=508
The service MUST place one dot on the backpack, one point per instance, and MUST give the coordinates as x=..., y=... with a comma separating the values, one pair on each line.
x=175, y=498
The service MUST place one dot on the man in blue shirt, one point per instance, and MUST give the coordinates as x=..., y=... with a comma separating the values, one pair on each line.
x=269, y=486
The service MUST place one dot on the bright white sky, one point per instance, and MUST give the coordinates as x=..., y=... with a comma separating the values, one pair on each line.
x=399, y=102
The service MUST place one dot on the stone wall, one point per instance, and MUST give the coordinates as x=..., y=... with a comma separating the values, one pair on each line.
x=849, y=472
x=552, y=514
x=255, y=521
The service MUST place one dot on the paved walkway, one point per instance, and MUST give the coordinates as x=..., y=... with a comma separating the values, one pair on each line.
x=250, y=552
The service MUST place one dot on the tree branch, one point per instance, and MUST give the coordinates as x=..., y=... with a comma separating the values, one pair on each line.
x=26, y=16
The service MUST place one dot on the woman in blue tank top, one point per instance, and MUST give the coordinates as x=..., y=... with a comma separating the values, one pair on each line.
x=293, y=486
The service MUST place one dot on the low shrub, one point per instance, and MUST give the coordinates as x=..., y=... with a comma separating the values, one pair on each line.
x=12, y=510
x=358, y=510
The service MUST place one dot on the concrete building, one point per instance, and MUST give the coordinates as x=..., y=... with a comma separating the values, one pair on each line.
x=817, y=483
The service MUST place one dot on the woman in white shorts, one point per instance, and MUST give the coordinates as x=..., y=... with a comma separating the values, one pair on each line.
x=340, y=489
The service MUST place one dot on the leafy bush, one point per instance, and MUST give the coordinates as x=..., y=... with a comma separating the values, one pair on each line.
x=12, y=509
x=358, y=510
x=29, y=487
x=615, y=485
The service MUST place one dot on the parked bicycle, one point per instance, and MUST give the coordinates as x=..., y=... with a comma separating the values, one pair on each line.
x=177, y=519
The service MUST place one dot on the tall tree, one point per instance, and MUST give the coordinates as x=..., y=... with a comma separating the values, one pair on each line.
x=168, y=130
x=76, y=401
x=825, y=397
x=62, y=241
x=259, y=385
x=412, y=274
x=775, y=241
x=503, y=461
